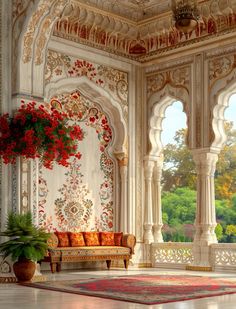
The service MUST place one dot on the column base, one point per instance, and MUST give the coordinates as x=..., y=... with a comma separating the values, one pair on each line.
x=198, y=268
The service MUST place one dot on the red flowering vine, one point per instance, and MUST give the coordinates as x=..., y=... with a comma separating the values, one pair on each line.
x=33, y=132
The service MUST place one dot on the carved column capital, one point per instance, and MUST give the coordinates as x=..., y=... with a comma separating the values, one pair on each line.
x=205, y=162
x=123, y=162
x=157, y=172
x=122, y=158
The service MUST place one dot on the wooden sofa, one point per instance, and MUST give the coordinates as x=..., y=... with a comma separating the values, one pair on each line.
x=118, y=246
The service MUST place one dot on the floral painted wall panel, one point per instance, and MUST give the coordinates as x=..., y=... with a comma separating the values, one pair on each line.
x=80, y=197
x=115, y=82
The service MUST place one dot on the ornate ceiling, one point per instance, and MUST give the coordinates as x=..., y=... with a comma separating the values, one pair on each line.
x=140, y=29
x=136, y=10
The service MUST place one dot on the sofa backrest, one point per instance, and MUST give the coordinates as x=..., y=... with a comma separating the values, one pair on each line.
x=81, y=239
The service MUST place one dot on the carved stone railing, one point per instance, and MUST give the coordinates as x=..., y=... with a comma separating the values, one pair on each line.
x=179, y=255
x=171, y=254
x=223, y=257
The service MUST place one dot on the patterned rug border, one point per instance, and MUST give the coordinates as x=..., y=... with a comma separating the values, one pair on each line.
x=111, y=297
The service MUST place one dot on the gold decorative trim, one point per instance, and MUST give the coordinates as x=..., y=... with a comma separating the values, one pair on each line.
x=39, y=278
x=198, y=268
x=144, y=265
x=11, y=279
x=8, y=279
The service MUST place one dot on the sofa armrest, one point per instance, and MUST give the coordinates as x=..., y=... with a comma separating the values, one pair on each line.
x=52, y=241
x=129, y=241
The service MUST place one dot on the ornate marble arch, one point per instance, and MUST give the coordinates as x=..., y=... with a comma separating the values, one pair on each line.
x=99, y=96
x=223, y=69
x=157, y=105
x=163, y=89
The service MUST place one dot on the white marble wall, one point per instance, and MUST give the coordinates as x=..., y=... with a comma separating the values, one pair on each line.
x=200, y=77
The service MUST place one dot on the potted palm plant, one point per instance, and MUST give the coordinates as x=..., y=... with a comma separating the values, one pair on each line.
x=27, y=244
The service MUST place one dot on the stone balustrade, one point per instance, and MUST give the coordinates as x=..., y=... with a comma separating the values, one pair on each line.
x=179, y=255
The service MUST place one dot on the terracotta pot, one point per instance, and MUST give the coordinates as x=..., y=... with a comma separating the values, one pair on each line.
x=24, y=270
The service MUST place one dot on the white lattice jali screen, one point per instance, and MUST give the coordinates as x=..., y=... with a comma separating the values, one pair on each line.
x=179, y=255
x=171, y=255
x=223, y=256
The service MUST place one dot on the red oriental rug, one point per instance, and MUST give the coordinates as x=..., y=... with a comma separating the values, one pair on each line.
x=145, y=289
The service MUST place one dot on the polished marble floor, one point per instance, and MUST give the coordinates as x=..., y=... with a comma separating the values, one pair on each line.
x=13, y=296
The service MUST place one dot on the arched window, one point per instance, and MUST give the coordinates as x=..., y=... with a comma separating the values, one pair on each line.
x=225, y=178
x=178, y=177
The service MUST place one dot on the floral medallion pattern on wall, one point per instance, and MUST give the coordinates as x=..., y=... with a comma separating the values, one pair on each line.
x=114, y=81
x=74, y=208
x=81, y=196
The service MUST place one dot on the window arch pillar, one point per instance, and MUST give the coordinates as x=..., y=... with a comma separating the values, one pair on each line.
x=157, y=209
x=122, y=159
x=149, y=164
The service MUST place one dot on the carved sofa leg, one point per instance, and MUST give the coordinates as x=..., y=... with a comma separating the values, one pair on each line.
x=58, y=267
x=126, y=263
x=108, y=263
x=53, y=267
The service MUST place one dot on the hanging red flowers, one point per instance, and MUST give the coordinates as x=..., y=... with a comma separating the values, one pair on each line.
x=34, y=132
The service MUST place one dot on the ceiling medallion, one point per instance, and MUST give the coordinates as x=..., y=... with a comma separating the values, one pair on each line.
x=185, y=14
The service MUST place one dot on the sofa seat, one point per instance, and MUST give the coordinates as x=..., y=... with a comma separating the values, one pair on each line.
x=90, y=251
x=57, y=255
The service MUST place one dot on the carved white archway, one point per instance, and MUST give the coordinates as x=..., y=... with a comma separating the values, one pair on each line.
x=30, y=60
x=153, y=161
x=118, y=149
x=99, y=96
x=220, y=101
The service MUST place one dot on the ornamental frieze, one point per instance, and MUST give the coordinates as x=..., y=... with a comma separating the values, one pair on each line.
x=114, y=81
x=140, y=40
x=129, y=36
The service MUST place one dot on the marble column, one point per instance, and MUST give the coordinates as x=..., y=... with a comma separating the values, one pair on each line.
x=157, y=209
x=205, y=221
x=148, y=210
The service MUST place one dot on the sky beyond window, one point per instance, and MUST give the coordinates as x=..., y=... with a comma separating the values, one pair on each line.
x=175, y=119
